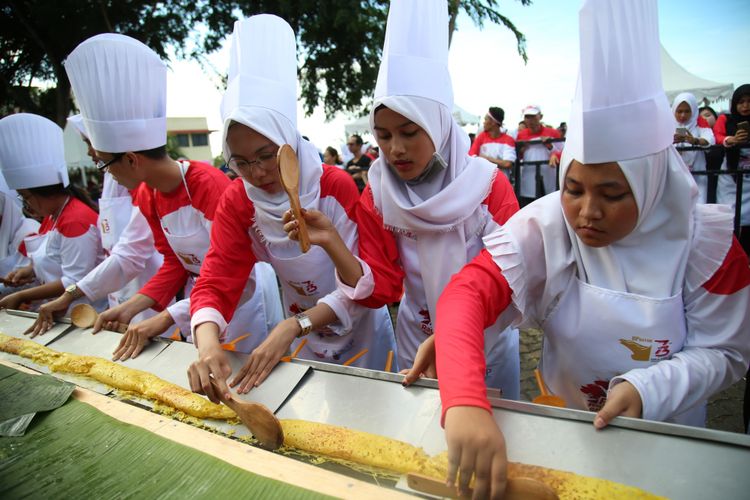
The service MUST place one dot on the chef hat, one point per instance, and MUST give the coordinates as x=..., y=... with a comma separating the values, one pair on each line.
x=77, y=122
x=262, y=67
x=31, y=152
x=415, y=53
x=620, y=110
x=120, y=85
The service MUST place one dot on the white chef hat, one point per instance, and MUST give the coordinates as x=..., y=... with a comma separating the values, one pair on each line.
x=415, y=53
x=77, y=122
x=620, y=110
x=121, y=87
x=262, y=67
x=31, y=152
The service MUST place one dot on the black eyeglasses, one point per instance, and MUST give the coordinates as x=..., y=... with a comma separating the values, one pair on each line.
x=103, y=166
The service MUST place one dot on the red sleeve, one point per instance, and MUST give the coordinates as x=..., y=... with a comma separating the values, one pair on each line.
x=171, y=276
x=230, y=258
x=702, y=123
x=734, y=273
x=471, y=302
x=337, y=183
x=377, y=247
x=478, y=141
x=720, y=129
x=502, y=202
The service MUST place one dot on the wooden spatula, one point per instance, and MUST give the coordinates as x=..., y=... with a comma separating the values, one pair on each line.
x=257, y=418
x=288, y=164
x=519, y=488
x=546, y=398
x=84, y=316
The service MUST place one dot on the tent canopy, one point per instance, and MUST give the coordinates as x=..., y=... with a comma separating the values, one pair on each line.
x=677, y=79
x=362, y=124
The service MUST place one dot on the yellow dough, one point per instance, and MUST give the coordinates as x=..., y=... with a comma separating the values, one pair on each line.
x=331, y=441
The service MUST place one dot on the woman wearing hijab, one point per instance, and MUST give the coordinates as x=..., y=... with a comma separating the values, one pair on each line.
x=732, y=130
x=428, y=203
x=67, y=246
x=692, y=130
x=259, y=111
x=641, y=292
x=14, y=227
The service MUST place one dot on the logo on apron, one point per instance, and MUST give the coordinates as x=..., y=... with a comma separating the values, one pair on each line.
x=641, y=348
x=596, y=394
x=426, y=324
x=105, y=226
x=189, y=259
x=305, y=288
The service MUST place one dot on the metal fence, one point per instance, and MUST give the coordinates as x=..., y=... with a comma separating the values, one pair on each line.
x=516, y=174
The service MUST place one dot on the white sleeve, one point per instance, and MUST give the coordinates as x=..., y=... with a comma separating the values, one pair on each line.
x=715, y=355
x=508, y=153
x=126, y=262
x=180, y=312
x=347, y=311
x=708, y=134
x=78, y=255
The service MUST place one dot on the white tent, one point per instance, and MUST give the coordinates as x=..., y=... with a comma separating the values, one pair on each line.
x=362, y=124
x=677, y=79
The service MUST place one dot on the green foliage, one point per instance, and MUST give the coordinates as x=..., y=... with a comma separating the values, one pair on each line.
x=339, y=42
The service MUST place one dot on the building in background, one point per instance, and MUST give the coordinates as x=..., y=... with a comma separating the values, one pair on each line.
x=190, y=136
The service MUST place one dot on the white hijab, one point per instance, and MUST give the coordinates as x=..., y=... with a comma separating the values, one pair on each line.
x=269, y=208
x=14, y=227
x=652, y=259
x=691, y=125
x=443, y=211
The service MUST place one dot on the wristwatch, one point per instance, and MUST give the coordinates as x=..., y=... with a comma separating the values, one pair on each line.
x=304, y=323
x=74, y=291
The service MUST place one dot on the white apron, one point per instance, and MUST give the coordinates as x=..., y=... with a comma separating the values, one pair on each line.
x=189, y=238
x=595, y=334
x=414, y=325
x=309, y=277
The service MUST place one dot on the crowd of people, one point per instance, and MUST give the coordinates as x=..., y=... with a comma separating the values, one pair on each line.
x=641, y=289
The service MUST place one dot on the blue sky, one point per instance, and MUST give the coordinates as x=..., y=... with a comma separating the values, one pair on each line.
x=708, y=38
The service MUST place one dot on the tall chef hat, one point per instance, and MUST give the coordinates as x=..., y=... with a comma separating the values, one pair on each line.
x=31, y=152
x=262, y=68
x=620, y=110
x=77, y=122
x=415, y=53
x=121, y=86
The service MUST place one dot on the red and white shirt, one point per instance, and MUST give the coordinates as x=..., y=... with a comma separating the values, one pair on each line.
x=538, y=152
x=502, y=147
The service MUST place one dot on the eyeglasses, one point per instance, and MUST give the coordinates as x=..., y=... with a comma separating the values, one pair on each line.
x=102, y=166
x=265, y=162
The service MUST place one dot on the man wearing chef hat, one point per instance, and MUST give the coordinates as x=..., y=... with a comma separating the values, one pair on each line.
x=120, y=86
x=127, y=240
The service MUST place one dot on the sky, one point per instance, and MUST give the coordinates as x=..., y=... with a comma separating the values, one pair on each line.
x=708, y=38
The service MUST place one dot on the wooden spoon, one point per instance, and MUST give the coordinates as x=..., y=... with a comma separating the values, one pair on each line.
x=546, y=398
x=517, y=488
x=257, y=418
x=84, y=316
x=286, y=159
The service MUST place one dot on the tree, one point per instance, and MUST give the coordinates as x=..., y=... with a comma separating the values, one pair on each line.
x=339, y=42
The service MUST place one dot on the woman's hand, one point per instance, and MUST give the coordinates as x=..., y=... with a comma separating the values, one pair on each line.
x=139, y=336
x=319, y=227
x=740, y=137
x=113, y=317
x=264, y=357
x=475, y=447
x=212, y=363
x=623, y=399
x=20, y=276
x=12, y=301
x=424, y=363
x=45, y=320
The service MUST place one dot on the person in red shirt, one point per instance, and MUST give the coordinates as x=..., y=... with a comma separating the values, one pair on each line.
x=493, y=143
x=538, y=148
